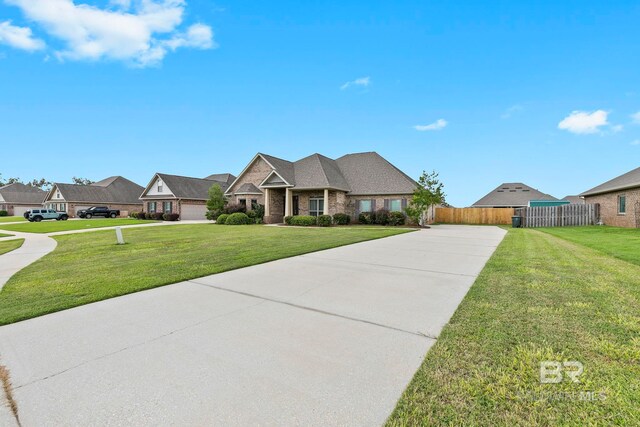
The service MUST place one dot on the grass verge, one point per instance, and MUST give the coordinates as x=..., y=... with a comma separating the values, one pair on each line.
x=12, y=219
x=90, y=267
x=10, y=245
x=80, y=224
x=539, y=298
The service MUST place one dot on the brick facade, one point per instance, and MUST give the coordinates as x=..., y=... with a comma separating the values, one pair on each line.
x=609, y=214
x=255, y=174
x=351, y=207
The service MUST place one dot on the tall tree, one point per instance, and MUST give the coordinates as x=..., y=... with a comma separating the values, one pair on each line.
x=82, y=181
x=430, y=192
x=216, y=202
x=9, y=181
x=41, y=183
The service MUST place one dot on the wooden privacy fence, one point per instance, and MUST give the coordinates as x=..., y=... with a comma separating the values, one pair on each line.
x=559, y=216
x=474, y=215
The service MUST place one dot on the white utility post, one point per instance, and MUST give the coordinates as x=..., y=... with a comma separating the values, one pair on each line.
x=119, y=236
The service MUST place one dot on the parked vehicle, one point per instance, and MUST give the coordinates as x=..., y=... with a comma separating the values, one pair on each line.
x=98, y=211
x=37, y=215
x=26, y=214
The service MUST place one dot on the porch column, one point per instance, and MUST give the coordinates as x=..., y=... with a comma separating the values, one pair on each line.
x=287, y=202
x=325, y=211
x=267, y=210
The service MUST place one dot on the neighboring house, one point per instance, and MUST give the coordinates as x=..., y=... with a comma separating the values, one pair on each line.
x=18, y=198
x=183, y=195
x=511, y=195
x=619, y=200
x=574, y=200
x=114, y=192
x=317, y=185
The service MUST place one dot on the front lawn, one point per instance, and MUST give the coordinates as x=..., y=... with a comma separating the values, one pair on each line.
x=5, y=235
x=12, y=219
x=90, y=267
x=539, y=298
x=622, y=243
x=10, y=245
x=76, y=224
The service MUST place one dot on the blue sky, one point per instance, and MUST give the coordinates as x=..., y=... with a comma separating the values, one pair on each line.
x=541, y=92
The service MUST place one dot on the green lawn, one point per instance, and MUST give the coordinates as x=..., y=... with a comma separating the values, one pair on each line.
x=80, y=224
x=9, y=245
x=90, y=267
x=5, y=235
x=622, y=243
x=540, y=298
x=11, y=219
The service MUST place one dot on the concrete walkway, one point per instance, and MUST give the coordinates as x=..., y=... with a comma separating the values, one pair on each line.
x=329, y=338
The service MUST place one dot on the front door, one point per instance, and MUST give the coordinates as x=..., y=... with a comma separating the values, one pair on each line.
x=296, y=210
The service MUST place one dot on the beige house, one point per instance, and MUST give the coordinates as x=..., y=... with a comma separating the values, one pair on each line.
x=619, y=200
x=317, y=185
x=182, y=195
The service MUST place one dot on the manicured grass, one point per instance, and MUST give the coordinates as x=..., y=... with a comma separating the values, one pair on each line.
x=623, y=243
x=12, y=219
x=10, y=245
x=5, y=235
x=540, y=298
x=80, y=224
x=90, y=267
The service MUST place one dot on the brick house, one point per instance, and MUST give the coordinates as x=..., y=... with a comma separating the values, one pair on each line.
x=182, y=195
x=317, y=185
x=619, y=200
x=115, y=192
x=17, y=198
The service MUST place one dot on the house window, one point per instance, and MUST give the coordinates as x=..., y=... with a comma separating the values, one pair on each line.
x=395, y=205
x=166, y=207
x=364, y=205
x=58, y=195
x=316, y=206
x=254, y=203
x=243, y=202
x=622, y=204
x=151, y=207
x=160, y=187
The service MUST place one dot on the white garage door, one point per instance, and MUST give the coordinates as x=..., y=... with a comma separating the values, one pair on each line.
x=190, y=212
x=20, y=210
x=80, y=208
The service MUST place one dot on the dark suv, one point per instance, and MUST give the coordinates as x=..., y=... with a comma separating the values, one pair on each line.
x=98, y=211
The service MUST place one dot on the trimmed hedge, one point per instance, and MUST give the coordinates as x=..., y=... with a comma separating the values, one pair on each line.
x=238, y=218
x=381, y=217
x=365, y=218
x=397, y=218
x=4, y=213
x=324, y=220
x=222, y=218
x=287, y=220
x=303, y=220
x=232, y=208
x=341, y=219
x=136, y=215
x=170, y=217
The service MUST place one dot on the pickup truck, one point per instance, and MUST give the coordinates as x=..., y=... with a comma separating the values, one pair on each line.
x=98, y=211
x=37, y=215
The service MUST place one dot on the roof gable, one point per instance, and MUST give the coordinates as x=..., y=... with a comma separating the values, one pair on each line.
x=115, y=189
x=370, y=174
x=630, y=179
x=183, y=187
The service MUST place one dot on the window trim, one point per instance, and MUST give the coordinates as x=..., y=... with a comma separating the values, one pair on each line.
x=164, y=207
x=150, y=209
x=360, y=205
x=319, y=210
x=391, y=205
x=622, y=198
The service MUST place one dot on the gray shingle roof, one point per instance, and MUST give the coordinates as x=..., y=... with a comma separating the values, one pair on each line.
x=284, y=168
x=370, y=174
x=185, y=187
x=512, y=194
x=222, y=177
x=248, y=188
x=21, y=193
x=630, y=179
x=115, y=189
x=317, y=171
x=574, y=200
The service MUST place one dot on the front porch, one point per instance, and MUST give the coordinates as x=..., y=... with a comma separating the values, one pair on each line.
x=285, y=201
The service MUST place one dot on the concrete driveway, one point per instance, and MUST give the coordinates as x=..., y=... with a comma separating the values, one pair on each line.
x=329, y=338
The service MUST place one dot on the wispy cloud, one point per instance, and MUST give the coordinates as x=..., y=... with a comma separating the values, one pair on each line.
x=360, y=81
x=437, y=125
x=584, y=122
x=140, y=32
x=514, y=109
x=19, y=37
x=636, y=142
x=635, y=117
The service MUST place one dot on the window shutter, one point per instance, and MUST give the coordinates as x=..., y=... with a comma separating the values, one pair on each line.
x=386, y=204
x=404, y=204
x=357, y=207
x=373, y=205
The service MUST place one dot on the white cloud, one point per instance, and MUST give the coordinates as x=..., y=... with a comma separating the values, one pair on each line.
x=636, y=142
x=360, y=81
x=617, y=128
x=511, y=111
x=140, y=32
x=19, y=37
x=583, y=122
x=437, y=125
x=636, y=118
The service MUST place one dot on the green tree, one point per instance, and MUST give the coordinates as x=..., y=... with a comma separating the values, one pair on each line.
x=430, y=192
x=81, y=181
x=216, y=202
x=41, y=183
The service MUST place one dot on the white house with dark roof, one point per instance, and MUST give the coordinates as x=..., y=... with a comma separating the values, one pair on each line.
x=17, y=198
x=317, y=185
x=511, y=195
x=182, y=195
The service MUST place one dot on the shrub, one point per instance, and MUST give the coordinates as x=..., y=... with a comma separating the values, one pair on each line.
x=213, y=215
x=303, y=220
x=252, y=215
x=170, y=217
x=232, y=208
x=148, y=215
x=365, y=218
x=341, y=219
x=136, y=215
x=324, y=220
x=4, y=213
x=288, y=219
x=259, y=210
x=238, y=218
x=397, y=218
x=222, y=218
x=381, y=217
